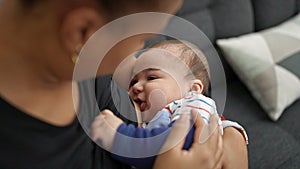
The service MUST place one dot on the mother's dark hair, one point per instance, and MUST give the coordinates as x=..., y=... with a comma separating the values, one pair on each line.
x=108, y=4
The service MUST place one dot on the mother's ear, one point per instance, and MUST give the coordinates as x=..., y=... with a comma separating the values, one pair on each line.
x=78, y=25
x=196, y=86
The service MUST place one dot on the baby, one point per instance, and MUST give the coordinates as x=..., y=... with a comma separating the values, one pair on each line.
x=170, y=78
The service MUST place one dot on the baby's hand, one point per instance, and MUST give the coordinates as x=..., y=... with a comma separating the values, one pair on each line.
x=104, y=128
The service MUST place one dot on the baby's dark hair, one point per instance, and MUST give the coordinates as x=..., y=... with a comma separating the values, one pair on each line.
x=193, y=57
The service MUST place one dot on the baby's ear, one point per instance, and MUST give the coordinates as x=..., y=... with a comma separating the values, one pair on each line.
x=196, y=86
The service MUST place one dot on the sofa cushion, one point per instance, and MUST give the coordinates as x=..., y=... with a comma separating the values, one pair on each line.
x=290, y=120
x=268, y=63
x=269, y=13
x=219, y=19
x=191, y=6
x=232, y=19
x=270, y=145
x=264, y=137
x=240, y=106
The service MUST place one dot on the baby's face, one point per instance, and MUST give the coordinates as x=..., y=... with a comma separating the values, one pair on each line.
x=152, y=90
x=158, y=77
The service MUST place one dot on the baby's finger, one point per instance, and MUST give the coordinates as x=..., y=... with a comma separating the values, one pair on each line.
x=97, y=125
x=95, y=134
x=98, y=121
x=106, y=112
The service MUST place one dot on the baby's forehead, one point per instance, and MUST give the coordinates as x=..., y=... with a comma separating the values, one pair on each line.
x=150, y=70
x=154, y=59
x=159, y=59
x=163, y=50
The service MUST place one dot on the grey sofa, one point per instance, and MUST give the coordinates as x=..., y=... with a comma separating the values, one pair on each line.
x=272, y=144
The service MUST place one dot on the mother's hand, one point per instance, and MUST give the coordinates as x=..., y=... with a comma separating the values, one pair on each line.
x=204, y=154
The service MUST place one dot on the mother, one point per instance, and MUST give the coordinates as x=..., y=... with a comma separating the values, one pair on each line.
x=38, y=39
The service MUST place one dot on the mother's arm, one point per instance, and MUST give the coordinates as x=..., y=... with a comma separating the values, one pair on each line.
x=235, y=149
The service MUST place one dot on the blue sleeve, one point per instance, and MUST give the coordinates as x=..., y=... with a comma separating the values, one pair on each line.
x=141, y=153
x=189, y=138
x=160, y=120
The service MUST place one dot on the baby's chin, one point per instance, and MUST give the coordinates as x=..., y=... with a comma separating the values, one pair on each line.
x=148, y=114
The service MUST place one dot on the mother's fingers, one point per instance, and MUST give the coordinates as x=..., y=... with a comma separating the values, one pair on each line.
x=203, y=130
x=211, y=137
x=208, y=142
x=208, y=155
x=177, y=134
x=171, y=156
x=219, y=151
x=199, y=124
x=209, y=129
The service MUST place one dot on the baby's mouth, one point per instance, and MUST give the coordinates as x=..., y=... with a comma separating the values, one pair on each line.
x=143, y=106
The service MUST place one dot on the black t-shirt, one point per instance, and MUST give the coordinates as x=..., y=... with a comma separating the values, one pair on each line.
x=26, y=142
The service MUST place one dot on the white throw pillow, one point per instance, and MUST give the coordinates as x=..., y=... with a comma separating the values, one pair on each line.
x=268, y=62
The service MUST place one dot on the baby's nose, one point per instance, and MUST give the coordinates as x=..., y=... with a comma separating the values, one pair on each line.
x=137, y=87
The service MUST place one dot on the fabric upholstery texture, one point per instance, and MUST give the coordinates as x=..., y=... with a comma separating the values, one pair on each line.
x=267, y=12
x=271, y=144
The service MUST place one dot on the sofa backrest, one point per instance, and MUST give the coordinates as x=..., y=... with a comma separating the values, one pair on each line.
x=268, y=13
x=227, y=18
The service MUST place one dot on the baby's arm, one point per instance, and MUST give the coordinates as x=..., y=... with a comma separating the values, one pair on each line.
x=138, y=146
x=160, y=120
x=120, y=139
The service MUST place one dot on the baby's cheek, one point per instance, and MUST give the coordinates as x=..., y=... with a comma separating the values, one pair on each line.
x=157, y=99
